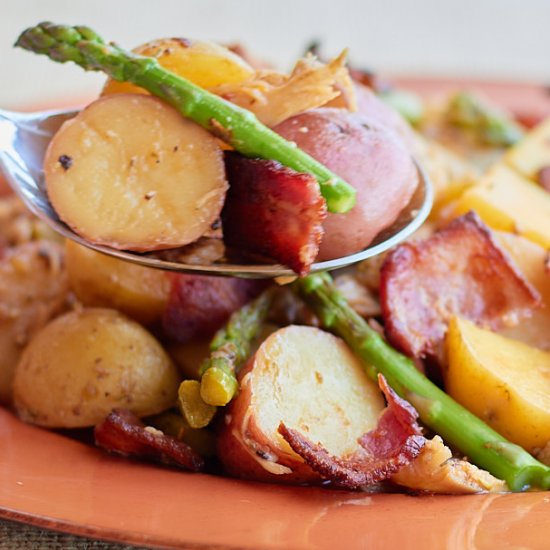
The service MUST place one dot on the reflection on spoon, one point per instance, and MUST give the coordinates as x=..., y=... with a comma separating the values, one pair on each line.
x=23, y=142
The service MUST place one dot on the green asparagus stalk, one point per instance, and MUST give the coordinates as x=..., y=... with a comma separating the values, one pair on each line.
x=491, y=126
x=437, y=410
x=236, y=126
x=230, y=348
x=407, y=104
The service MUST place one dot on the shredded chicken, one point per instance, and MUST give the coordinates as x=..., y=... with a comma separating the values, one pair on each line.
x=18, y=225
x=274, y=97
x=359, y=297
x=436, y=471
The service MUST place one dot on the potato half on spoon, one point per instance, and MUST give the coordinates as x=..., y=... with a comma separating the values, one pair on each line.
x=131, y=173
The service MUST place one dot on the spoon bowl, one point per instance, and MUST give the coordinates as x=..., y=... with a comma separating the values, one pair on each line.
x=24, y=138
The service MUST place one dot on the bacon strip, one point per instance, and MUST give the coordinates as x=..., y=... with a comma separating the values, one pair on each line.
x=394, y=443
x=273, y=211
x=460, y=270
x=123, y=433
x=199, y=305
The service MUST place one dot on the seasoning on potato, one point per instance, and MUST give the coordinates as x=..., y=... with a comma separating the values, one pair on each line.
x=131, y=173
x=86, y=363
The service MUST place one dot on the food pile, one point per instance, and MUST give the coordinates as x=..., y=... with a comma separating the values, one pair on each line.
x=386, y=375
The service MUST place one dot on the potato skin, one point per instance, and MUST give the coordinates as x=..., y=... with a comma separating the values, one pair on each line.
x=372, y=159
x=99, y=280
x=372, y=107
x=247, y=454
x=86, y=363
x=311, y=381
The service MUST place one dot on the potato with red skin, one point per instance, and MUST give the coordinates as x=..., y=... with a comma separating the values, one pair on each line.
x=309, y=380
x=371, y=106
x=370, y=158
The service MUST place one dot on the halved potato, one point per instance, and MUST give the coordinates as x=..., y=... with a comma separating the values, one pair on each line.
x=99, y=280
x=311, y=381
x=532, y=153
x=206, y=64
x=84, y=364
x=504, y=382
x=531, y=260
x=508, y=201
x=131, y=173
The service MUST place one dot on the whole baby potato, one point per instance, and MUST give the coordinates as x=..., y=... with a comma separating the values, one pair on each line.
x=369, y=157
x=86, y=363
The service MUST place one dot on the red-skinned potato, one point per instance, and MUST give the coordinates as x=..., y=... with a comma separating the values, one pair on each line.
x=372, y=159
x=371, y=106
x=309, y=380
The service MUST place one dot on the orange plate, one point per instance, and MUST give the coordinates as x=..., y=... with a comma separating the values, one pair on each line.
x=52, y=481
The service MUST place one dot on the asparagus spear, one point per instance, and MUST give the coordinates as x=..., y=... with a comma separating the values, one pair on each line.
x=238, y=127
x=198, y=401
x=437, y=410
x=196, y=412
x=229, y=349
x=490, y=125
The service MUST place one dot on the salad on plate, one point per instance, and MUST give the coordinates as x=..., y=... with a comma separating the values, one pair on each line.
x=425, y=369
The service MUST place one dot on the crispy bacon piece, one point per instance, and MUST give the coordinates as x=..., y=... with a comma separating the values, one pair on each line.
x=273, y=211
x=394, y=443
x=199, y=305
x=123, y=433
x=460, y=270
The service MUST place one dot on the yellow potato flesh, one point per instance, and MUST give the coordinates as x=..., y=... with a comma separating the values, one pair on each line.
x=131, y=173
x=99, y=280
x=311, y=381
x=530, y=258
x=532, y=153
x=504, y=382
x=507, y=201
x=85, y=363
x=206, y=64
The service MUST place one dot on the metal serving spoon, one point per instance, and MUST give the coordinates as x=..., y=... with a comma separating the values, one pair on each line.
x=24, y=138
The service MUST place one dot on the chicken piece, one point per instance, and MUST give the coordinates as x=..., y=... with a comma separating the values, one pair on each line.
x=436, y=471
x=359, y=297
x=273, y=97
x=33, y=289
